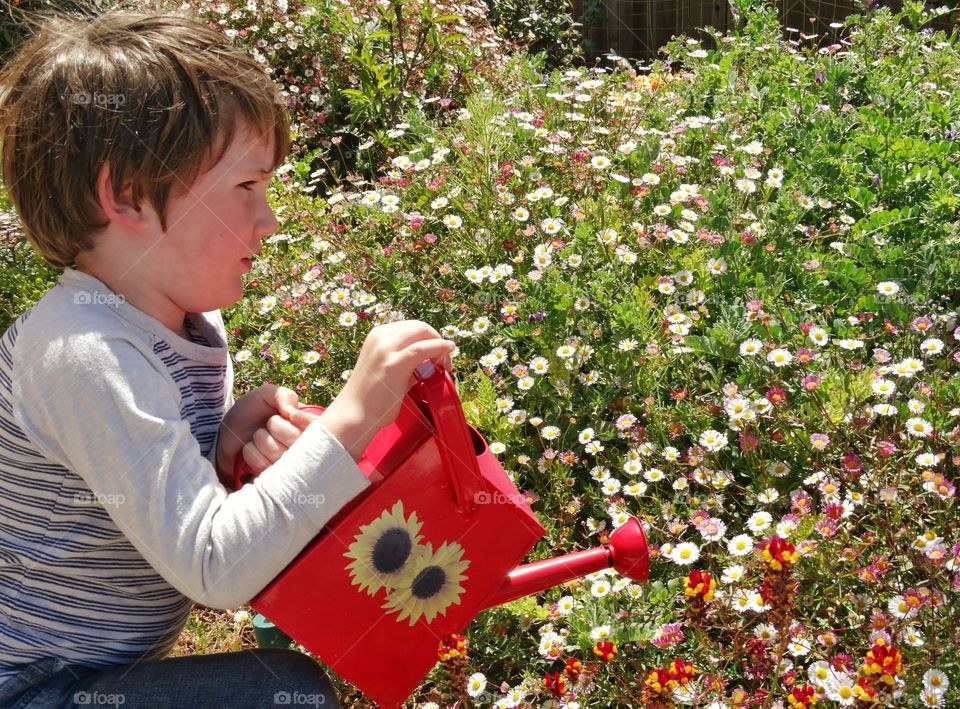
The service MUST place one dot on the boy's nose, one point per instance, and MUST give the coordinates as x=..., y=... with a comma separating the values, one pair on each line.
x=267, y=222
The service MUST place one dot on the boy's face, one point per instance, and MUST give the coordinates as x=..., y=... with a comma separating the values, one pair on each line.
x=216, y=226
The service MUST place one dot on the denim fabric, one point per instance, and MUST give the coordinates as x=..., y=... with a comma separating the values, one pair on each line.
x=252, y=679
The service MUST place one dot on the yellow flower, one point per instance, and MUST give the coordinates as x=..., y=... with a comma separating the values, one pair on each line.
x=383, y=550
x=432, y=585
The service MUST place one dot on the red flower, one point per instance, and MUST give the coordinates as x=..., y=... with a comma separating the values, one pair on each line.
x=779, y=553
x=605, y=650
x=663, y=680
x=699, y=584
x=452, y=646
x=802, y=696
x=573, y=667
x=883, y=660
x=555, y=684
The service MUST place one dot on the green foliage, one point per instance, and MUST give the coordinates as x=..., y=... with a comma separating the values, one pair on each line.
x=18, y=18
x=677, y=295
x=351, y=73
x=24, y=277
x=545, y=27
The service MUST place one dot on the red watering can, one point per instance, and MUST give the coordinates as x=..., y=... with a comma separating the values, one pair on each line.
x=434, y=540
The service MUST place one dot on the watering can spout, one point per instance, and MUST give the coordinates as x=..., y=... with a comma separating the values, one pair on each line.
x=626, y=551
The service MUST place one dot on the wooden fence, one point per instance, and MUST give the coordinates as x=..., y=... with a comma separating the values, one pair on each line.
x=638, y=28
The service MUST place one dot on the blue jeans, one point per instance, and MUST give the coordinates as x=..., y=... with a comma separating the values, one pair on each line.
x=252, y=679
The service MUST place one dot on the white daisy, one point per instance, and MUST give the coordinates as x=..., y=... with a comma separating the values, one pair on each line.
x=740, y=545
x=685, y=553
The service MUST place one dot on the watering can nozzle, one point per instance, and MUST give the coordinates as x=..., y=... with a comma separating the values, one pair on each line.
x=628, y=548
x=626, y=552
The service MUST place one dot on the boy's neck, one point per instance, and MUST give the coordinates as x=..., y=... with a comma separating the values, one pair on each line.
x=171, y=316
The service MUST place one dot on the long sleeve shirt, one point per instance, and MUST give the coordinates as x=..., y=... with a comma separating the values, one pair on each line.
x=112, y=519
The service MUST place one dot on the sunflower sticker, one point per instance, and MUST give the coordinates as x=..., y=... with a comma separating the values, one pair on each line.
x=432, y=586
x=419, y=582
x=383, y=549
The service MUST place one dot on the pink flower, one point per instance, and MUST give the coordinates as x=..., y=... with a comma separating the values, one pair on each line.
x=805, y=355
x=826, y=527
x=851, y=463
x=886, y=448
x=801, y=502
x=776, y=396
x=819, y=441
x=833, y=511
x=668, y=634
x=748, y=442
x=811, y=382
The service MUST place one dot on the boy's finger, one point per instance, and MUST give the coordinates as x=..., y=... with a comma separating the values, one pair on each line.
x=426, y=349
x=283, y=430
x=268, y=446
x=410, y=332
x=255, y=461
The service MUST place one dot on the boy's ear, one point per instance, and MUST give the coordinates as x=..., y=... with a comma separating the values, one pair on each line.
x=120, y=208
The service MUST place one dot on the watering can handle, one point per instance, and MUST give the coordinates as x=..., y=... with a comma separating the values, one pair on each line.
x=436, y=389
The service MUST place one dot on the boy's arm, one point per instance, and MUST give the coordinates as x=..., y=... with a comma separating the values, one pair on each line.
x=106, y=410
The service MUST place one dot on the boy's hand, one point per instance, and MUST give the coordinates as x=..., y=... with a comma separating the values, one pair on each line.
x=269, y=443
x=249, y=427
x=381, y=377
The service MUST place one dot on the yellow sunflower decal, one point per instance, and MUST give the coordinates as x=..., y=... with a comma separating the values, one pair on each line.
x=383, y=550
x=432, y=585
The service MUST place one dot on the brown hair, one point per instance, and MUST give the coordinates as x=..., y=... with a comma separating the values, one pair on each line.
x=156, y=97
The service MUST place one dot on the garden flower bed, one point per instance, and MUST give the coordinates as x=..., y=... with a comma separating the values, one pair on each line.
x=718, y=294
x=721, y=298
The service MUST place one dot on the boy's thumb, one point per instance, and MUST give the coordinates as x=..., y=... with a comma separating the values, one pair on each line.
x=285, y=401
x=301, y=419
x=429, y=349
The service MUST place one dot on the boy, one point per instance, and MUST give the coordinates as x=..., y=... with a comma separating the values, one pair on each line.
x=138, y=151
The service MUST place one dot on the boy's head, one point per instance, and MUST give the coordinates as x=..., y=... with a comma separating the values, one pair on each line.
x=158, y=99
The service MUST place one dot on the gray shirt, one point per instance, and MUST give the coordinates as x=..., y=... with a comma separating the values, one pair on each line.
x=111, y=514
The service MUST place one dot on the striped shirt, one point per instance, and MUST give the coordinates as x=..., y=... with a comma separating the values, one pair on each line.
x=112, y=519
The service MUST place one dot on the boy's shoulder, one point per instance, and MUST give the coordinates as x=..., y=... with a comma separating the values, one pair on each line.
x=76, y=314
x=82, y=325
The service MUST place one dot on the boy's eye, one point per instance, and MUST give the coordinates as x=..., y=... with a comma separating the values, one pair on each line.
x=248, y=185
